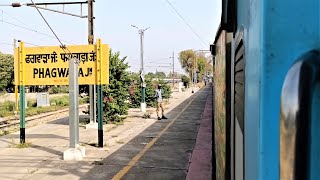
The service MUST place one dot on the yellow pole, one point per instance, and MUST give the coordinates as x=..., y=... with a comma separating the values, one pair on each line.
x=22, y=94
x=16, y=84
x=17, y=96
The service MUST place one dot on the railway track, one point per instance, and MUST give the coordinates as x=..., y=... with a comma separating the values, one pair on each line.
x=14, y=122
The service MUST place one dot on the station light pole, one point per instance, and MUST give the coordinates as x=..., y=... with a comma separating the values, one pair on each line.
x=143, y=105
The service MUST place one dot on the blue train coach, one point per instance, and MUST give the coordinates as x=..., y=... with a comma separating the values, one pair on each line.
x=267, y=90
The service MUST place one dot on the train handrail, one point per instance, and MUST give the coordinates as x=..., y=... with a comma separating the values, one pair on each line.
x=295, y=116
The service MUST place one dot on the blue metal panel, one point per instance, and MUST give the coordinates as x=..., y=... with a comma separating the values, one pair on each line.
x=249, y=17
x=290, y=28
x=275, y=34
x=315, y=136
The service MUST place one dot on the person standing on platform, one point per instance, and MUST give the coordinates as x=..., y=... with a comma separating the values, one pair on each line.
x=159, y=103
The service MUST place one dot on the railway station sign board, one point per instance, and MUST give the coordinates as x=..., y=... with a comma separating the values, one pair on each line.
x=49, y=65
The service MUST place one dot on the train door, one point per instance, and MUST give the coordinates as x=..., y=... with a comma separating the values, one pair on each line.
x=238, y=108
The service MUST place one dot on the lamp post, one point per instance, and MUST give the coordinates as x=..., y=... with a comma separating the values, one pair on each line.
x=143, y=86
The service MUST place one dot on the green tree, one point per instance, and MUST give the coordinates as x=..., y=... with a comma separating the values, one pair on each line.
x=187, y=58
x=116, y=94
x=201, y=66
x=6, y=71
x=150, y=75
x=160, y=75
x=135, y=92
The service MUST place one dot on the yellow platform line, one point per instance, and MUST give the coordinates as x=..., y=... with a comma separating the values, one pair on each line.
x=134, y=160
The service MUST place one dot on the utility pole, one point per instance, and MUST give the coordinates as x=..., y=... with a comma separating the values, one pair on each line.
x=193, y=70
x=143, y=101
x=173, y=75
x=92, y=88
x=143, y=86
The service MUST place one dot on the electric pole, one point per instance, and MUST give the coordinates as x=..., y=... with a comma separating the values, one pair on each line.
x=143, y=101
x=92, y=88
x=193, y=70
x=143, y=86
x=173, y=74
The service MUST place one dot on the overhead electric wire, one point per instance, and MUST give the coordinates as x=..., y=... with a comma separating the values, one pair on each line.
x=31, y=44
x=194, y=32
x=29, y=29
x=17, y=19
x=63, y=46
x=162, y=59
x=10, y=44
x=158, y=63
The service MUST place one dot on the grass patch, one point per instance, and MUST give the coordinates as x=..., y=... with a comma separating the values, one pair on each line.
x=146, y=115
x=117, y=123
x=21, y=146
x=84, y=121
x=7, y=108
x=120, y=142
x=93, y=144
x=2, y=93
x=58, y=89
x=113, y=127
x=97, y=163
x=39, y=110
x=5, y=132
x=33, y=171
x=61, y=101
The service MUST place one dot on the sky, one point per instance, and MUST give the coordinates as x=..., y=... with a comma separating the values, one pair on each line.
x=168, y=33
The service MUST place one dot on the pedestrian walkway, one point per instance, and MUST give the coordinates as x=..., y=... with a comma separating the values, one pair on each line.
x=139, y=149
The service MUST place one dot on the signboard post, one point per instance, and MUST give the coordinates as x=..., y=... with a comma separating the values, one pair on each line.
x=52, y=65
x=99, y=93
x=21, y=83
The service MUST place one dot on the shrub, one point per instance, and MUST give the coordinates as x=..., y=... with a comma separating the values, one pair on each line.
x=135, y=95
x=116, y=93
x=58, y=89
x=186, y=80
x=7, y=108
x=60, y=101
x=32, y=103
x=84, y=100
